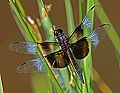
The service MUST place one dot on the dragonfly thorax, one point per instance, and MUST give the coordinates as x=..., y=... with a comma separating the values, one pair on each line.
x=61, y=38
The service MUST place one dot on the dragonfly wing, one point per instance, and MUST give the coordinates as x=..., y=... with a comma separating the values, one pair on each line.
x=86, y=22
x=58, y=59
x=23, y=47
x=98, y=34
x=80, y=48
x=31, y=66
x=30, y=47
x=49, y=47
x=78, y=32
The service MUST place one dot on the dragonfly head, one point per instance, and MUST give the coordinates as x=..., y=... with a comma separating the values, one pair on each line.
x=58, y=32
x=60, y=36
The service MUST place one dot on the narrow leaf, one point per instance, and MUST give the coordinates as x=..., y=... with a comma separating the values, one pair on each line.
x=1, y=87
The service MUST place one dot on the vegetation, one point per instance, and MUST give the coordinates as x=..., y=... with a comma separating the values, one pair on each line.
x=61, y=80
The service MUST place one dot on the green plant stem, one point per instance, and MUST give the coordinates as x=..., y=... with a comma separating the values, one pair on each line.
x=113, y=36
x=21, y=19
x=88, y=60
x=1, y=87
x=69, y=16
x=71, y=27
x=81, y=10
x=20, y=8
x=46, y=22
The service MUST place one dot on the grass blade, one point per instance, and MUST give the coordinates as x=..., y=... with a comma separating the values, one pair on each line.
x=69, y=16
x=112, y=33
x=81, y=16
x=20, y=26
x=21, y=20
x=87, y=88
x=71, y=27
x=81, y=10
x=118, y=59
x=45, y=21
x=1, y=87
x=20, y=8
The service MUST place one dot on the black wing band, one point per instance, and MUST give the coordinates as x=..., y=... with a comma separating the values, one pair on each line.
x=58, y=59
x=80, y=49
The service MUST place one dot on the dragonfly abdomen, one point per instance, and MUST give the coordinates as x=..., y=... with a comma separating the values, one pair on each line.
x=78, y=72
x=74, y=65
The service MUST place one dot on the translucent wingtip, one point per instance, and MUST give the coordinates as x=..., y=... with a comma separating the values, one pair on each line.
x=31, y=66
x=21, y=69
x=98, y=34
x=12, y=46
x=23, y=47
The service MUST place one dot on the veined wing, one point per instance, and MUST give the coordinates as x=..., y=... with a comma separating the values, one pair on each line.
x=23, y=47
x=31, y=47
x=32, y=66
x=58, y=59
x=81, y=47
x=97, y=35
x=86, y=22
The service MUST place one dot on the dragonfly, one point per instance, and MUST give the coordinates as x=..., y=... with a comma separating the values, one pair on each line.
x=64, y=51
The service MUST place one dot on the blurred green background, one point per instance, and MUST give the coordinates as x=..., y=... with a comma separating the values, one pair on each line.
x=104, y=58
